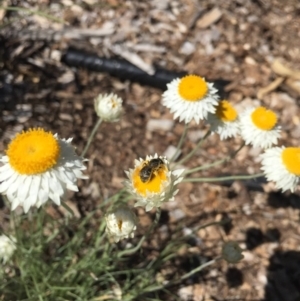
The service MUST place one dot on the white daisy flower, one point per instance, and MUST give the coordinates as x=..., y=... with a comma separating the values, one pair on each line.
x=121, y=223
x=7, y=247
x=152, y=183
x=39, y=166
x=282, y=165
x=259, y=127
x=225, y=121
x=190, y=97
x=108, y=107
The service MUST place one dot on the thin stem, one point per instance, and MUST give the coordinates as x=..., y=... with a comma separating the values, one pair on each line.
x=91, y=137
x=15, y=223
x=191, y=153
x=200, y=268
x=182, y=138
x=236, y=177
x=35, y=12
x=17, y=230
x=216, y=163
x=67, y=207
x=185, y=276
x=137, y=247
x=36, y=287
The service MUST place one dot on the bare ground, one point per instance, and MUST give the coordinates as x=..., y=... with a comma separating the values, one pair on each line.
x=237, y=41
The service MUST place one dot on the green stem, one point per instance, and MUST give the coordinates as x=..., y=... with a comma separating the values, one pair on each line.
x=91, y=137
x=191, y=153
x=138, y=246
x=216, y=163
x=17, y=229
x=37, y=287
x=35, y=12
x=185, y=276
x=182, y=138
x=200, y=268
x=236, y=177
x=67, y=207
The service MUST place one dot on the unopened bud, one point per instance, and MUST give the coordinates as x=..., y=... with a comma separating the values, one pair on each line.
x=121, y=223
x=108, y=107
x=232, y=252
x=7, y=247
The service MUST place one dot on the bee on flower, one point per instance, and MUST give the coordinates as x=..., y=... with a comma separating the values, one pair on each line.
x=190, y=98
x=152, y=182
x=39, y=166
x=259, y=127
x=225, y=121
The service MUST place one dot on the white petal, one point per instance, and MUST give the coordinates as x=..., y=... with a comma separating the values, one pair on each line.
x=15, y=203
x=5, y=172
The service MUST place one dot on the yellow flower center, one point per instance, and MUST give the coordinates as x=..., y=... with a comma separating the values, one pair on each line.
x=226, y=112
x=291, y=159
x=154, y=184
x=264, y=119
x=192, y=88
x=33, y=152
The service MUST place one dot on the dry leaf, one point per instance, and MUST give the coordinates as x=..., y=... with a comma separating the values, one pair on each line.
x=282, y=70
x=209, y=18
x=294, y=84
x=133, y=58
x=271, y=87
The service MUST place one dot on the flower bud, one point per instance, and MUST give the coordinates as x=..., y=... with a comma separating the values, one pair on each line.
x=232, y=252
x=108, y=107
x=120, y=223
x=7, y=247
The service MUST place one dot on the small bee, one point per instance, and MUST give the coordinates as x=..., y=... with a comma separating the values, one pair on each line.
x=150, y=168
